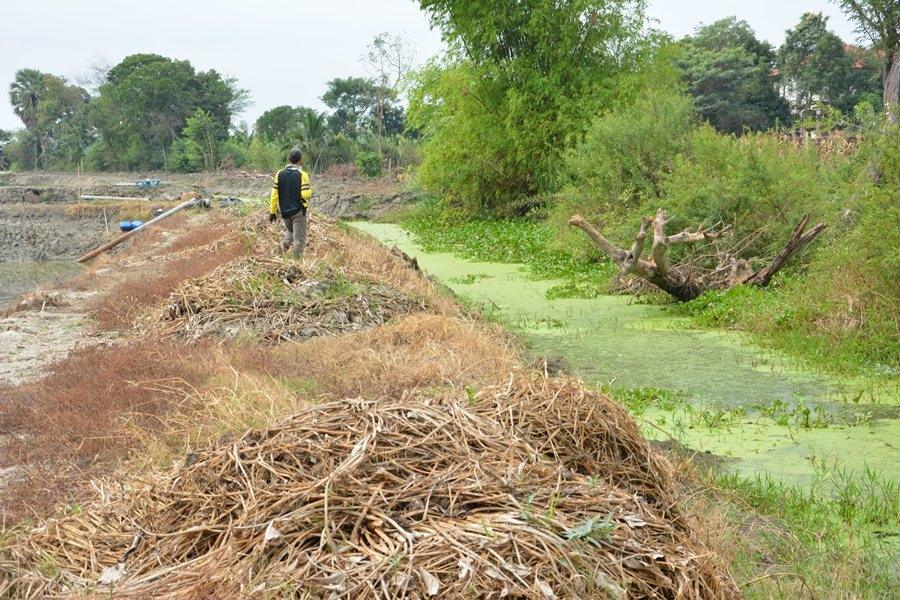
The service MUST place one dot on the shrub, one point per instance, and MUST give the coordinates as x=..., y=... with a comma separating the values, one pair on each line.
x=841, y=311
x=369, y=163
x=266, y=156
x=623, y=162
x=653, y=154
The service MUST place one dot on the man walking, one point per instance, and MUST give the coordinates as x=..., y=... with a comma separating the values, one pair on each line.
x=290, y=197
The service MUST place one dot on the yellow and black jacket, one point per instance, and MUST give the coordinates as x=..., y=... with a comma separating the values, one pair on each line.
x=291, y=192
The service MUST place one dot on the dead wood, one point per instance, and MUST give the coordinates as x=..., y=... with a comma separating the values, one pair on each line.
x=688, y=282
x=800, y=238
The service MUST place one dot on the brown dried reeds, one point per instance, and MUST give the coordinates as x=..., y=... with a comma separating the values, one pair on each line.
x=585, y=431
x=394, y=498
x=61, y=430
x=274, y=300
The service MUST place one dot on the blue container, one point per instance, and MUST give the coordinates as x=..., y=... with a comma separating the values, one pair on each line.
x=129, y=225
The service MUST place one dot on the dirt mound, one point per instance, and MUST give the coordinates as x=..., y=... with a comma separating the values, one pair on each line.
x=274, y=300
x=370, y=499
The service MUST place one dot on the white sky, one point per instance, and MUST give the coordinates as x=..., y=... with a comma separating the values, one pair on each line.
x=262, y=42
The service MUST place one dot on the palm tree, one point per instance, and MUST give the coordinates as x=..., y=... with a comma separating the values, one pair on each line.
x=315, y=134
x=25, y=93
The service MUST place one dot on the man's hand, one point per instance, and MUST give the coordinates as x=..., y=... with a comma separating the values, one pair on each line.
x=272, y=217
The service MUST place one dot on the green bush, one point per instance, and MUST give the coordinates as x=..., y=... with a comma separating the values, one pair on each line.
x=760, y=184
x=622, y=164
x=266, y=156
x=839, y=311
x=369, y=163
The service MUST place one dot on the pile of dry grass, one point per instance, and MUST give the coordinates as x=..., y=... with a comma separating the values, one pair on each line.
x=274, y=300
x=355, y=498
x=586, y=432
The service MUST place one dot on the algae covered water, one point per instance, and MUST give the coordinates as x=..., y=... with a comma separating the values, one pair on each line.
x=727, y=397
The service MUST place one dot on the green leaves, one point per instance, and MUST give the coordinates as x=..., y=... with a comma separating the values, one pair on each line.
x=146, y=103
x=818, y=66
x=594, y=528
x=497, y=117
x=729, y=73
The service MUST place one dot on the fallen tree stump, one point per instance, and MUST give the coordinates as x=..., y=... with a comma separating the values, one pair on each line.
x=686, y=284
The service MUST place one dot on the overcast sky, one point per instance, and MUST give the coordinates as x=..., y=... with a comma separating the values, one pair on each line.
x=284, y=52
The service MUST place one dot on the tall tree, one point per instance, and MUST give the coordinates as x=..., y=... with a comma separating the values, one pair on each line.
x=523, y=82
x=282, y=124
x=879, y=21
x=729, y=73
x=352, y=100
x=146, y=102
x=25, y=93
x=389, y=60
x=54, y=115
x=816, y=66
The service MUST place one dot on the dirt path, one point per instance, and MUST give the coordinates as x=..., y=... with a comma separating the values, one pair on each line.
x=53, y=325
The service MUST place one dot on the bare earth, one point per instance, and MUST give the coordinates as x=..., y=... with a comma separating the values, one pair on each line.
x=34, y=338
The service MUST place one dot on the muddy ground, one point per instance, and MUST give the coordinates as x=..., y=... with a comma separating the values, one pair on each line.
x=39, y=220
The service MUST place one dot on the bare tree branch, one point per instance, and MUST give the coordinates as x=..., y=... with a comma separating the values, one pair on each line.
x=687, y=284
x=798, y=240
x=611, y=250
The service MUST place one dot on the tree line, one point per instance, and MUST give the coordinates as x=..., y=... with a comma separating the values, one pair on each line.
x=151, y=112
x=518, y=87
x=506, y=103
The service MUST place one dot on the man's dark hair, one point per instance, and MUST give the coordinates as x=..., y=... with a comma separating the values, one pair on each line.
x=295, y=156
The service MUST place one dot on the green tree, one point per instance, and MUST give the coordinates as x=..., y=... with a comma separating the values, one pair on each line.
x=729, y=73
x=282, y=124
x=879, y=21
x=25, y=93
x=315, y=136
x=203, y=134
x=5, y=138
x=497, y=117
x=352, y=100
x=816, y=67
x=146, y=102
x=55, y=117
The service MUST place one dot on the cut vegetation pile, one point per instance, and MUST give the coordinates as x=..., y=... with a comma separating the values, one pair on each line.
x=274, y=300
x=361, y=498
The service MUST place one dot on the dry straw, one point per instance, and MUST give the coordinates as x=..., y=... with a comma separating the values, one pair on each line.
x=270, y=297
x=273, y=301
x=392, y=498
